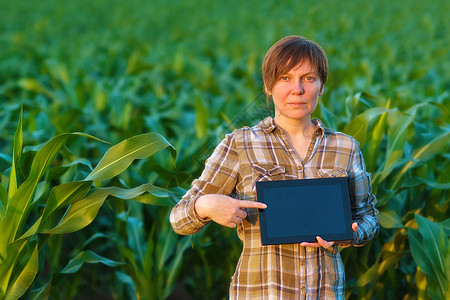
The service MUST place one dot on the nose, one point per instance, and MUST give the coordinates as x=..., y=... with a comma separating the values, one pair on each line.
x=298, y=88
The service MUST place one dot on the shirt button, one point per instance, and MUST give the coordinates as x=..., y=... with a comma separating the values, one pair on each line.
x=302, y=263
x=302, y=289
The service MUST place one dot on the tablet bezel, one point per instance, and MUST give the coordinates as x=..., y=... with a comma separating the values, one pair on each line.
x=342, y=182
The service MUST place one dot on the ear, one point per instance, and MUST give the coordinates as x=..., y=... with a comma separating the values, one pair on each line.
x=321, y=90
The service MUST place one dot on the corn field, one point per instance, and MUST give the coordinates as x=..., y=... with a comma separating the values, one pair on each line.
x=108, y=110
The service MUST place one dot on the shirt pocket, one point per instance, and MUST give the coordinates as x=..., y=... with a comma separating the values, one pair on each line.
x=263, y=172
x=329, y=173
x=268, y=172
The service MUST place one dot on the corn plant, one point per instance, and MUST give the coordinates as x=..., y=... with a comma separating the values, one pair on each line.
x=153, y=261
x=400, y=181
x=23, y=237
x=430, y=249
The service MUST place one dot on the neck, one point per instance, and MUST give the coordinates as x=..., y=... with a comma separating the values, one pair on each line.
x=294, y=127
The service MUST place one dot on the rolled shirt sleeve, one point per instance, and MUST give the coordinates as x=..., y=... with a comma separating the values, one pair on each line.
x=218, y=177
x=362, y=200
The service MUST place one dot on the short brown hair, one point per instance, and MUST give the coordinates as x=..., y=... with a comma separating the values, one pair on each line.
x=288, y=53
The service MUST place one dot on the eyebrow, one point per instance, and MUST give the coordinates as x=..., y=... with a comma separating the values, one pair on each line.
x=308, y=73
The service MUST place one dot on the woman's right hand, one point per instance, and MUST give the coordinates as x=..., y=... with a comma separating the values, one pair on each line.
x=223, y=209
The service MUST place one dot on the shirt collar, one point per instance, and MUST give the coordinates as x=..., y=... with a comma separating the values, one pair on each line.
x=268, y=125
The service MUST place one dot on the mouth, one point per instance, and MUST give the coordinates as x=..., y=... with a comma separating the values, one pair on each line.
x=297, y=103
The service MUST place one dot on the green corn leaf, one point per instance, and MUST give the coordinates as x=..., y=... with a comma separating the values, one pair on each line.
x=41, y=293
x=80, y=214
x=378, y=269
x=421, y=282
x=415, y=181
x=389, y=218
x=126, y=280
x=135, y=236
x=97, y=235
x=137, y=191
x=418, y=251
x=13, y=251
x=32, y=85
x=435, y=290
x=183, y=244
x=381, y=175
x=120, y=156
x=3, y=201
x=15, y=212
x=6, y=158
x=65, y=194
x=128, y=254
x=376, y=138
x=397, y=137
x=59, y=171
x=83, y=212
x=159, y=199
x=446, y=226
x=447, y=263
x=443, y=248
x=14, y=218
x=25, y=279
x=32, y=230
x=17, y=151
x=327, y=116
x=166, y=246
x=431, y=233
x=88, y=257
x=61, y=195
x=58, y=71
x=359, y=125
x=422, y=154
x=201, y=117
x=148, y=262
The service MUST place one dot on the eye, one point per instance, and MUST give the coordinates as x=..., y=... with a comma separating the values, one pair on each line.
x=309, y=78
x=284, y=78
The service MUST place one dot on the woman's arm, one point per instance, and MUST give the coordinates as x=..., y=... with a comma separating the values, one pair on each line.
x=223, y=209
x=362, y=200
x=218, y=177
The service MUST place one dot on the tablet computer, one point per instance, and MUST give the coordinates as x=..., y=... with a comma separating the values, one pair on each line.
x=299, y=210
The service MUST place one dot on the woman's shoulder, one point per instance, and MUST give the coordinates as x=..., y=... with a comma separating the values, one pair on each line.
x=339, y=137
x=261, y=128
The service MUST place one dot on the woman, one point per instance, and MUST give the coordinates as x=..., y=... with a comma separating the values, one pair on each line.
x=289, y=146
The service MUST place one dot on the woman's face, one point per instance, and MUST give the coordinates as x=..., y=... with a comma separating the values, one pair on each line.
x=295, y=94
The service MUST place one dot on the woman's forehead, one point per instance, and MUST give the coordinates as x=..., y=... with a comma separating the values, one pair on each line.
x=302, y=64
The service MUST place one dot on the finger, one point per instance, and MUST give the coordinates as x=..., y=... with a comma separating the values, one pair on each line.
x=345, y=244
x=312, y=245
x=324, y=243
x=230, y=225
x=251, y=204
x=354, y=226
x=241, y=213
x=236, y=220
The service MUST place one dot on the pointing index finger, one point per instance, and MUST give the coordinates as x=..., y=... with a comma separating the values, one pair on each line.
x=251, y=204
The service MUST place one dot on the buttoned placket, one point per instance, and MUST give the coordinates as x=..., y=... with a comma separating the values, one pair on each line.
x=300, y=263
x=312, y=146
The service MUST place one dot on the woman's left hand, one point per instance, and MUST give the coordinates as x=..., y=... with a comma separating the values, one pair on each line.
x=329, y=245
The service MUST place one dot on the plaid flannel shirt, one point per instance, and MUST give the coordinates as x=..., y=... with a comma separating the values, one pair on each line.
x=248, y=155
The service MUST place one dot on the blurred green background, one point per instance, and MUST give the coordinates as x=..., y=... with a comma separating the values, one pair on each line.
x=190, y=71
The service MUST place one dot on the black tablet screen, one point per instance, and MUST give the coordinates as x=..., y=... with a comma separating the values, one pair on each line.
x=300, y=210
